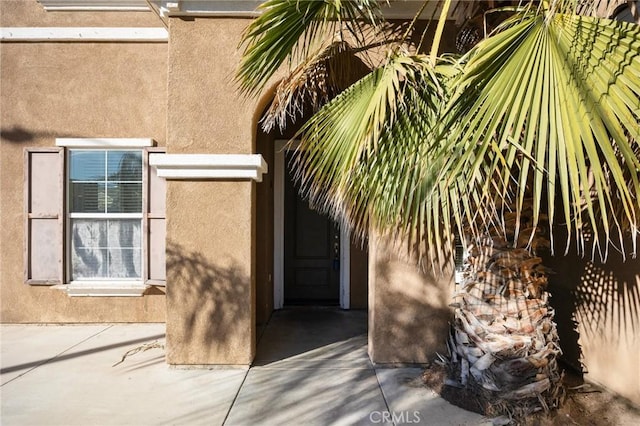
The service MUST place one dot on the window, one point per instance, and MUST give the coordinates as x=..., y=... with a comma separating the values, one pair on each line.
x=105, y=214
x=106, y=236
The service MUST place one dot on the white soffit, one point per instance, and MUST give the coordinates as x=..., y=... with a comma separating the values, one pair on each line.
x=85, y=34
x=209, y=166
x=91, y=5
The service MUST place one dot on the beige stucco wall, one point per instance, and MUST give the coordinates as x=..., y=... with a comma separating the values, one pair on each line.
x=210, y=224
x=408, y=307
x=54, y=90
x=598, y=315
x=29, y=13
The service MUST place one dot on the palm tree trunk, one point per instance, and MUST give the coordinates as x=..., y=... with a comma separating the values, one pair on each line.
x=504, y=343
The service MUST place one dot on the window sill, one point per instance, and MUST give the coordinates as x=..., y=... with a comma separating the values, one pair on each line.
x=104, y=289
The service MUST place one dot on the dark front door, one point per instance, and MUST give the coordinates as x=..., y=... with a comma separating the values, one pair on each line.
x=311, y=250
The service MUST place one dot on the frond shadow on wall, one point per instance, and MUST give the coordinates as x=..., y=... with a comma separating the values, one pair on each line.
x=212, y=299
x=597, y=299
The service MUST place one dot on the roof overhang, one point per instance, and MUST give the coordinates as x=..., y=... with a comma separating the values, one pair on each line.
x=395, y=9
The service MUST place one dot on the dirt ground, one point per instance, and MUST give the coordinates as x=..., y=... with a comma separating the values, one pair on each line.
x=585, y=404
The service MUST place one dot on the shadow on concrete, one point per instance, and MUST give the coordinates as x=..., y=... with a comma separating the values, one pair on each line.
x=134, y=365
x=320, y=395
x=311, y=368
x=72, y=355
x=294, y=332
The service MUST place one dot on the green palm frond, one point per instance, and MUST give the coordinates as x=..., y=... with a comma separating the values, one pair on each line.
x=546, y=108
x=288, y=30
x=552, y=105
x=361, y=157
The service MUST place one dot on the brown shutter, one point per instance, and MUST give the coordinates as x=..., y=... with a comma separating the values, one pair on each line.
x=154, y=222
x=44, y=216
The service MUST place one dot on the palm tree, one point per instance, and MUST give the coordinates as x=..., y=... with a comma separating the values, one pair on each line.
x=537, y=124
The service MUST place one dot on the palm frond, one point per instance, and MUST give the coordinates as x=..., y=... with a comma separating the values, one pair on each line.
x=552, y=105
x=361, y=157
x=288, y=30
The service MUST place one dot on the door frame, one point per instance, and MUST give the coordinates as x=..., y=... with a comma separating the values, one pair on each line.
x=280, y=147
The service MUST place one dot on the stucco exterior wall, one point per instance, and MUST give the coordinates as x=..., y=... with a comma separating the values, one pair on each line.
x=29, y=13
x=210, y=224
x=52, y=90
x=598, y=315
x=408, y=308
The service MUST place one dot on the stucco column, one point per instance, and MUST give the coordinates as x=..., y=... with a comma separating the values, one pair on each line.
x=408, y=307
x=210, y=222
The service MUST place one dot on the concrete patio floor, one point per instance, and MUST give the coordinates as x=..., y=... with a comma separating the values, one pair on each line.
x=311, y=368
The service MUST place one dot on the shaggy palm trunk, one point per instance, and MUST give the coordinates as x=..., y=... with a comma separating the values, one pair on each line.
x=504, y=344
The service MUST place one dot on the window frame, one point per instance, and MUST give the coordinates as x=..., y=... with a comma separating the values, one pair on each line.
x=69, y=216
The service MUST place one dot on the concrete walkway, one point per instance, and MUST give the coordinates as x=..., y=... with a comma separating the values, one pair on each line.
x=311, y=368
